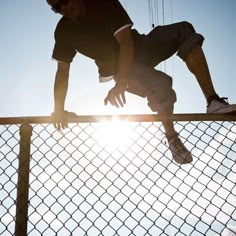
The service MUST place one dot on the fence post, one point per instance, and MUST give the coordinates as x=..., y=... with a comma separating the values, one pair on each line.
x=23, y=181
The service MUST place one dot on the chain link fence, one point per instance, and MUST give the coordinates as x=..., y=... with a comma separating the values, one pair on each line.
x=109, y=176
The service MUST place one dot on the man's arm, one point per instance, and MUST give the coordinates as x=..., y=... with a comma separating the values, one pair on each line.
x=116, y=95
x=125, y=40
x=60, y=91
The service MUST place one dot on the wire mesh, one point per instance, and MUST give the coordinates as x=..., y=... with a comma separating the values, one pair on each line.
x=9, y=150
x=118, y=178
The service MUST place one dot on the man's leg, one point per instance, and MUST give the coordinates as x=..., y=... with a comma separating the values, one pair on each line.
x=156, y=86
x=197, y=64
x=179, y=152
x=164, y=41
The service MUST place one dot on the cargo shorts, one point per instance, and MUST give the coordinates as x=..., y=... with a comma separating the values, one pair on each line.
x=157, y=46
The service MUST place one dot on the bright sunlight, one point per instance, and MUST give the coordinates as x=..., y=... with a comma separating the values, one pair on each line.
x=115, y=133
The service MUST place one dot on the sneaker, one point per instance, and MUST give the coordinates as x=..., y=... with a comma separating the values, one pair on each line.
x=221, y=105
x=179, y=152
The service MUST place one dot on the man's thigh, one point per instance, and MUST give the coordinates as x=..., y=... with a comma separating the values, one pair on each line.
x=152, y=84
x=164, y=41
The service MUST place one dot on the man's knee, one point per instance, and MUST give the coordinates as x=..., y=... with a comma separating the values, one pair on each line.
x=162, y=98
x=162, y=106
x=189, y=38
x=187, y=28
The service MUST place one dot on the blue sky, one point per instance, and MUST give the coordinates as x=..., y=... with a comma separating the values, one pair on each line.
x=27, y=71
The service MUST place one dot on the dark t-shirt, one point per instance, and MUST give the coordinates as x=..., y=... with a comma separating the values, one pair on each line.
x=93, y=36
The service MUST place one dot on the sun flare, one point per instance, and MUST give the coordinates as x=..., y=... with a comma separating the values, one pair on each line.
x=115, y=133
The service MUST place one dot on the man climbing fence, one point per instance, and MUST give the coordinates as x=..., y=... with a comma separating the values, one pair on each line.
x=102, y=31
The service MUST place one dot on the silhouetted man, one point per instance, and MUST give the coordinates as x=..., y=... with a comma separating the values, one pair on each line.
x=102, y=31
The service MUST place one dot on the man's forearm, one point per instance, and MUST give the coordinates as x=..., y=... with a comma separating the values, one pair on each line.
x=125, y=61
x=60, y=90
x=126, y=56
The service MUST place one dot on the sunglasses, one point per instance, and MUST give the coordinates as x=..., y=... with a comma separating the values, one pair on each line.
x=57, y=7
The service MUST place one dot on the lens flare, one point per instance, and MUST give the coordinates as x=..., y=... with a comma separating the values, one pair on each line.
x=115, y=134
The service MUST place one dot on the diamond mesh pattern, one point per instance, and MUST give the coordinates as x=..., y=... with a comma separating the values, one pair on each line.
x=119, y=179
x=9, y=150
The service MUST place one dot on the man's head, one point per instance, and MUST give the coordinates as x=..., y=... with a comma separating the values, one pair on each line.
x=72, y=9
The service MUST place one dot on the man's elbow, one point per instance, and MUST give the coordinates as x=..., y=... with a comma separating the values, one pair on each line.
x=124, y=38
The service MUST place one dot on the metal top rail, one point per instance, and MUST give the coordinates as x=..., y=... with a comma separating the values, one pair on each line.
x=130, y=118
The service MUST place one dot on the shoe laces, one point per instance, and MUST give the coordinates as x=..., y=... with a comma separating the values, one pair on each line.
x=177, y=146
x=223, y=100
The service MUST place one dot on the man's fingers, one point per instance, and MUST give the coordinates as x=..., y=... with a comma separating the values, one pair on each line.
x=116, y=99
x=113, y=101
x=120, y=100
x=57, y=126
x=64, y=125
x=123, y=98
x=60, y=121
x=111, y=98
x=106, y=100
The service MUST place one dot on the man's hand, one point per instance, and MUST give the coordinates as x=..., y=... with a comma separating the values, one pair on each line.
x=116, y=96
x=60, y=119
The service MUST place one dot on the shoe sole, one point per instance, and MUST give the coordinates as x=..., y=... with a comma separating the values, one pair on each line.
x=188, y=159
x=226, y=110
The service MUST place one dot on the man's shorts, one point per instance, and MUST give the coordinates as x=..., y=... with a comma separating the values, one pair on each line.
x=160, y=44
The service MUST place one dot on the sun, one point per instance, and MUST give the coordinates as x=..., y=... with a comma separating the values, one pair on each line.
x=115, y=134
